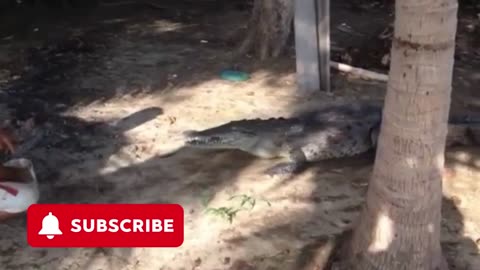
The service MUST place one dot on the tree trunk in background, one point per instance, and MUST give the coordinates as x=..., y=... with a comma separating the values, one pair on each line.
x=269, y=28
x=399, y=227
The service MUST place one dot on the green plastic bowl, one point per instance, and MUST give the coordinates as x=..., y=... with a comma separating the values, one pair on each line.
x=232, y=75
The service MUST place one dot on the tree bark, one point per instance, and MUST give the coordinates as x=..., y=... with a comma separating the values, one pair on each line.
x=269, y=28
x=399, y=227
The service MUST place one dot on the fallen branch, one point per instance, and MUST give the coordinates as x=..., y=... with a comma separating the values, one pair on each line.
x=363, y=73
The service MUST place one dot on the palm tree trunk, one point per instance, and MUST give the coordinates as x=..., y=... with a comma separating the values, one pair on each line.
x=399, y=227
x=268, y=29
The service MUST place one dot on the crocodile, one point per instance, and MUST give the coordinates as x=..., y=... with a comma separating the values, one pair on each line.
x=335, y=131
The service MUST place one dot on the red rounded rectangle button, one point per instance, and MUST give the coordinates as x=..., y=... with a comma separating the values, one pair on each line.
x=105, y=225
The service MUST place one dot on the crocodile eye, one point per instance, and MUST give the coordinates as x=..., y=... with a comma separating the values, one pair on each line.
x=248, y=132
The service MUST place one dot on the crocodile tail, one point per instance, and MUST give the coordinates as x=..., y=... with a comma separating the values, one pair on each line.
x=464, y=129
x=464, y=119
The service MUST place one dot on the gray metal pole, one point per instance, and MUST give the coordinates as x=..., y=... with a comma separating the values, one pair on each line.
x=306, y=46
x=323, y=19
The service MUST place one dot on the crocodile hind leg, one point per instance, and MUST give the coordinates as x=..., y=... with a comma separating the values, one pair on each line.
x=295, y=164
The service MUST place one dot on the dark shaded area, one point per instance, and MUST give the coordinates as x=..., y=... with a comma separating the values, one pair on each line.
x=451, y=212
x=452, y=229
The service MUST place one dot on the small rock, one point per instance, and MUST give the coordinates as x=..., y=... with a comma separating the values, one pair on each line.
x=197, y=262
x=172, y=119
x=226, y=260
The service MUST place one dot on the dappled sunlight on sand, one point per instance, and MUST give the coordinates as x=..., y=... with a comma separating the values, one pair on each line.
x=176, y=67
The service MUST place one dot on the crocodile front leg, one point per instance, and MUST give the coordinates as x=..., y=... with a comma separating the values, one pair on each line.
x=297, y=162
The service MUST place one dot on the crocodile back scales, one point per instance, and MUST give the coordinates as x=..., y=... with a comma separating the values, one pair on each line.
x=333, y=131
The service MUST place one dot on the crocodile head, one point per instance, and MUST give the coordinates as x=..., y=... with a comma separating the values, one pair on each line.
x=222, y=137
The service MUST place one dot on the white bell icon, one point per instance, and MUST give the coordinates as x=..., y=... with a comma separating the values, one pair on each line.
x=50, y=226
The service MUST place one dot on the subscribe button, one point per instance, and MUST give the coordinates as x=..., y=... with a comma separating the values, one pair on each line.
x=105, y=225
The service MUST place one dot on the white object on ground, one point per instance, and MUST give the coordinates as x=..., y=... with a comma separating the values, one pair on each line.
x=360, y=72
x=28, y=192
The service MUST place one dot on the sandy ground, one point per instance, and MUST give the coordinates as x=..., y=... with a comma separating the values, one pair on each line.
x=117, y=99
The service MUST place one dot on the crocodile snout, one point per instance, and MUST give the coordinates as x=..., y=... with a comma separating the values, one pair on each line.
x=196, y=138
x=201, y=140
